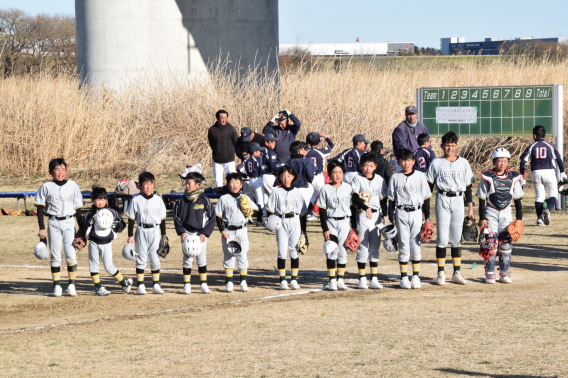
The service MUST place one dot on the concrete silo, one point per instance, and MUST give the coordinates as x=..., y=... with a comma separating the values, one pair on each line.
x=123, y=40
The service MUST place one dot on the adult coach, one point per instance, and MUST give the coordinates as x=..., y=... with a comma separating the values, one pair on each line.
x=247, y=137
x=284, y=131
x=406, y=133
x=222, y=138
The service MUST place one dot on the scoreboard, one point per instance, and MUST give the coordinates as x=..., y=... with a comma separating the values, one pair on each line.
x=491, y=111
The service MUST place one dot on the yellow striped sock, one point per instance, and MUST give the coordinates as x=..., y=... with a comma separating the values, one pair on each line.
x=155, y=278
x=140, y=278
x=331, y=273
x=340, y=272
x=72, y=276
x=415, y=268
x=441, y=262
x=203, y=277
x=229, y=275
x=374, y=271
x=56, y=277
x=295, y=273
x=243, y=273
x=119, y=277
x=282, y=274
x=96, y=279
x=457, y=263
x=361, y=272
x=186, y=278
x=403, y=269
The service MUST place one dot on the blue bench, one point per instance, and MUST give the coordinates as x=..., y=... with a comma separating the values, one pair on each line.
x=19, y=196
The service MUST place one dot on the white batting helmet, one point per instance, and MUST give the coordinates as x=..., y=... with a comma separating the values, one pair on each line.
x=329, y=247
x=40, y=251
x=389, y=246
x=501, y=152
x=103, y=224
x=128, y=252
x=388, y=231
x=234, y=244
x=274, y=223
x=191, y=246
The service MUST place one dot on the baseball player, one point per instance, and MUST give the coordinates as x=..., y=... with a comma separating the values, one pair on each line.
x=59, y=199
x=350, y=157
x=194, y=214
x=453, y=177
x=100, y=241
x=255, y=169
x=318, y=156
x=370, y=198
x=149, y=212
x=544, y=160
x=305, y=171
x=231, y=221
x=498, y=188
x=334, y=202
x=269, y=159
x=287, y=203
x=424, y=155
x=408, y=193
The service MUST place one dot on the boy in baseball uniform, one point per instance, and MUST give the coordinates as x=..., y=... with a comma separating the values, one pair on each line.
x=334, y=202
x=304, y=169
x=453, y=177
x=287, y=203
x=269, y=159
x=408, y=193
x=255, y=169
x=545, y=161
x=100, y=241
x=148, y=211
x=370, y=199
x=194, y=214
x=350, y=157
x=318, y=156
x=60, y=200
x=498, y=189
x=232, y=222
x=424, y=155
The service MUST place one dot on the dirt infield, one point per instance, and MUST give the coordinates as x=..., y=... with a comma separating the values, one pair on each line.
x=473, y=330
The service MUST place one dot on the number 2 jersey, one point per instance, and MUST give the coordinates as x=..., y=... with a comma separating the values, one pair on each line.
x=424, y=157
x=500, y=191
x=542, y=155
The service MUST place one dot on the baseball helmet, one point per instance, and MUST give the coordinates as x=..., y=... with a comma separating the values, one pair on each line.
x=191, y=246
x=40, y=251
x=329, y=247
x=274, y=222
x=390, y=245
x=103, y=224
x=563, y=187
x=388, y=232
x=128, y=252
x=234, y=244
x=313, y=138
x=469, y=232
x=501, y=152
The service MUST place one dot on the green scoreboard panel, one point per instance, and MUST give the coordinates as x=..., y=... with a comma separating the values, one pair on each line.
x=490, y=111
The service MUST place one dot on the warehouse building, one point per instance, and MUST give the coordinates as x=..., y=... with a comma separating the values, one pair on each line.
x=348, y=49
x=492, y=46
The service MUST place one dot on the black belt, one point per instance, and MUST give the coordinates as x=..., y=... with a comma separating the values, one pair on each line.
x=234, y=228
x=60, y=218
x=409, y=208
x=147, y=225
x=339, y=218
x=451, y=194
x=289, y=215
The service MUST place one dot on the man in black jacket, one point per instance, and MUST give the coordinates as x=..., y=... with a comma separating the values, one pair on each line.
x=247, y=137
x=222, y=138
x=286, y=133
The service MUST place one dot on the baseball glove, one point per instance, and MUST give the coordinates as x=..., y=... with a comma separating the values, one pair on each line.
x=366, y=197
x=470, y=232
x=352, y=241
x=303, y=244
x=515, y=230
x=245, y=206
x=79, y=242
x=427, y=232
x=164, y=247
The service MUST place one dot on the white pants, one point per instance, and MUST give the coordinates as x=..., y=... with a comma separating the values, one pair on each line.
x=201, y=259
x=268, y=183
x=220, y=170
x=287, y=237
x=318, y=183
x=146, y=243
x=498, y=221
x=257, y=187
x=228, y=257
x=449, y=220
x=339, y=228
x=408, y=225
x=99, y=252
x=60, y=234
x=370, y=241
x=545, y=179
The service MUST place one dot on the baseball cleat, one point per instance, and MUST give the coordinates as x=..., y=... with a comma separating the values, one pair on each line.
x=128, y=287
x=294, y=285
x=284, y=285
x=363, y=283
x=141, y=289
x=341, y=284
x=404, y=283
x=57, y=291
x=415, y=282
x=546, y=216
x=260, y=224
x=441, y=279
x=375, y=284
x=229, y=287
x=102, y=291
x=71, y=290
x=157, y=289
x=505, y=279
x=539, y=222
x=311, y=218
x=490, y=277
x=205, y=288
x=244, y=286
x=187, y=289
x=457, y=278
x=332, y=285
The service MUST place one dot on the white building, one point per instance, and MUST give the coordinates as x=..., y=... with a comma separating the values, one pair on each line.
x=349, y=49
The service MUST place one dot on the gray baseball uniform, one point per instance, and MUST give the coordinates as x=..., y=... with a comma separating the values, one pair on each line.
x=409, y=192
x=451, y=180
x=60, y=201
x=148, y=214
x=290, y=203
x=337, y=204
x=369, y=241
x=228, y=209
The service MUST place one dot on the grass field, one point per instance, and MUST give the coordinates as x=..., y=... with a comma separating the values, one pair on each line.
x=473, y=330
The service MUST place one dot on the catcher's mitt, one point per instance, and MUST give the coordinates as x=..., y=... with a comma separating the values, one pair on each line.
x=352, y=241
x=79, y=242
x=366, y=197
x=427, y=232
x=245, y=206
x=164, y=247
x=470, y=232
x=515, y=230
x=303, y=244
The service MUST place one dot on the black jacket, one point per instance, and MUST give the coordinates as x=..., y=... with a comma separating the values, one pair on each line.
x=222, y=141
x=197, y=216
x=383, y=168
x=241, y=146
x=88, y=220
x=285, y=137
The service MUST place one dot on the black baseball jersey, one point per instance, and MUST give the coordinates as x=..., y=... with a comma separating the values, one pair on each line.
x=304, y=169
x=254, y=167
x=424, y=157
x=88, y=220
x=350, y=159
x=318, y=155
x=542, y=155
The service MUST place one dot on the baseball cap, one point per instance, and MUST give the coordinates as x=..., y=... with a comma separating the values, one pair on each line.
x=410, y=110
x=282, y=115
x=246, y=133
x=269, y=137
x=254, y=147
x=313, y=138
x=360, y=138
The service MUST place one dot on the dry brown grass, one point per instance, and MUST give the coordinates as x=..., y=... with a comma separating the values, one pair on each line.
x=161, y=127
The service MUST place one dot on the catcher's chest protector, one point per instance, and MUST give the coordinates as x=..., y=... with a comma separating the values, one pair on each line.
x=500, y=196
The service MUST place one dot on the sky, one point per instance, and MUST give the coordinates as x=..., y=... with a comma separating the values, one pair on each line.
x=422, y=22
